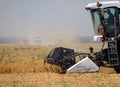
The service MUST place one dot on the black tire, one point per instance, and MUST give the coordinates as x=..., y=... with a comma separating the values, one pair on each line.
x=117, y=69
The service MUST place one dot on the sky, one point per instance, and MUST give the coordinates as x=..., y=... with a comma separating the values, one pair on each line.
x=45, y=18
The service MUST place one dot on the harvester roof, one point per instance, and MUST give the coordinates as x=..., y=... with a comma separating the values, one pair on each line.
x=104, y=4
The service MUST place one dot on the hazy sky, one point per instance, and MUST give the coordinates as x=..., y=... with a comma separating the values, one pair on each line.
x=44, y=18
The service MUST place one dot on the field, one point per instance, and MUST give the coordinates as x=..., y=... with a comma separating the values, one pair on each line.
x=23, y=66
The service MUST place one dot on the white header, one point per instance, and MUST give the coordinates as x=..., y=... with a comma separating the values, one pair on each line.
x=104, y=4
x=85, y=65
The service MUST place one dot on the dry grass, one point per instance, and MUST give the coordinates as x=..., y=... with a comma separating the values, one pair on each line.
x=59, y=80
x=23, y=66
x=22, y=59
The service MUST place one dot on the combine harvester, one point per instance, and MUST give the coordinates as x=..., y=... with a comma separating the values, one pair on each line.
x=106, y=22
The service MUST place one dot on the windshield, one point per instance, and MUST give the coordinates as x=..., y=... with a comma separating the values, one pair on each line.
x=108, y=20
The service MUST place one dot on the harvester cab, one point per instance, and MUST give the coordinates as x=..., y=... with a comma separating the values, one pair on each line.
x=105, y=18
x=106, y=22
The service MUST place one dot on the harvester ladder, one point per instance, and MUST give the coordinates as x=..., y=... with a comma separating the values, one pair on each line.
x=113, y=53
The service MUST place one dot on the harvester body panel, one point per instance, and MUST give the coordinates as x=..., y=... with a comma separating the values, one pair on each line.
x=85, y=65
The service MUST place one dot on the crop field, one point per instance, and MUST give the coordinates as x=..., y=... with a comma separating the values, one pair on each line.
x=23, y=66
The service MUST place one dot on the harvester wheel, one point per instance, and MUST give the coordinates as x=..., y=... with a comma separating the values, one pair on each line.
x=117, y=69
